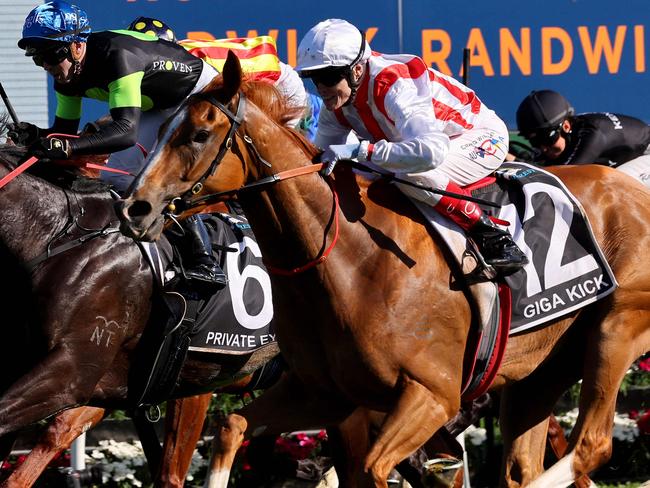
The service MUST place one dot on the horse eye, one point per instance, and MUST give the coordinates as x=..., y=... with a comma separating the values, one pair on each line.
x=201, y=136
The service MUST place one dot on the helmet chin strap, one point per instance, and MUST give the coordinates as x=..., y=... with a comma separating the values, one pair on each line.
x=354, y=85
x=76, y=63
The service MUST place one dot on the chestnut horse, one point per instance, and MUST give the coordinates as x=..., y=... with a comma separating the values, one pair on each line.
x=377, y=324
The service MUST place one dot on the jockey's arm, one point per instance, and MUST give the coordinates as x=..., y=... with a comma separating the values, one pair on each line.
x=125, y=100
x=423, y=145
x=120, y=133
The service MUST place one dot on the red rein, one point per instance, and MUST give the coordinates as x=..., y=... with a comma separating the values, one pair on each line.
x=322, y=256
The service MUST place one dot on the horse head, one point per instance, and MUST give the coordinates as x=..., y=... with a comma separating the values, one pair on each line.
x=194, y=144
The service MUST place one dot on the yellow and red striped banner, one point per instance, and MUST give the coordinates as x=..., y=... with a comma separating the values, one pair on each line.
x=258, y=56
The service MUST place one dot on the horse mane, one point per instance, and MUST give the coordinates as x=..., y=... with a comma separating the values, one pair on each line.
x=4, y=121
x=275, y=105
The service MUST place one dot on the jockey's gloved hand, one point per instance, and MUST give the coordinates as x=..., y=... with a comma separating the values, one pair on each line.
x=335, y=153
x=50, y=148
x=23, y=133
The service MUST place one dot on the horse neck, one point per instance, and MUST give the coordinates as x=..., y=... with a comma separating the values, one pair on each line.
x=34, y=212
x=290, y=218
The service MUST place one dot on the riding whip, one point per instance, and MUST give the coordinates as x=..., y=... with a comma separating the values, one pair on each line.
x=10, y=108
x=390, y=176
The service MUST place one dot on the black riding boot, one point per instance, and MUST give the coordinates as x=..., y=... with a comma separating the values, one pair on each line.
x=204, y=266
x=497, y=247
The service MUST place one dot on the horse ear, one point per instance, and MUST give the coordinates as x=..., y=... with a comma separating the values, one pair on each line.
x=231, y=76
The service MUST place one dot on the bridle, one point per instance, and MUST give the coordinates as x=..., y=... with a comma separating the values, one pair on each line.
x=236, y=119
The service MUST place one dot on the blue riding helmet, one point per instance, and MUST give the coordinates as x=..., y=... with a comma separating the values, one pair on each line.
x=55, y=22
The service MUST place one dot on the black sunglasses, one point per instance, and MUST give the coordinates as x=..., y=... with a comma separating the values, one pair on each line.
x=328, y=77
x=546, y=137
x=52, y=57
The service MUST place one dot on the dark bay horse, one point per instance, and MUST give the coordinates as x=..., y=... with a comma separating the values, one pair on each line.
x=76, y=318
x=377, y=324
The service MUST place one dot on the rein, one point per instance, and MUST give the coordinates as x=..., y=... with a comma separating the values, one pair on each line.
x=32, y=160
x=186, y=202
x=326, y=252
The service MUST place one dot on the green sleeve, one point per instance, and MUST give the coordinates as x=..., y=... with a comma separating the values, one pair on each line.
x=68, y=107
x=126, y=91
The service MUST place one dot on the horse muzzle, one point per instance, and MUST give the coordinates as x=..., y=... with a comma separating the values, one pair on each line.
x=138, y=221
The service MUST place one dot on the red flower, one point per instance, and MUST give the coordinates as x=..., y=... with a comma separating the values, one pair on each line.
x=644, y=423
x=644, y=364
x=298, y=446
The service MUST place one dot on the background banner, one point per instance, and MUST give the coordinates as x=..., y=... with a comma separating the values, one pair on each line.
x=592, y=51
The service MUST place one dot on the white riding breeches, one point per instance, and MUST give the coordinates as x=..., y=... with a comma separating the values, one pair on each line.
x=132, y=159
x=638, y=168
x=472, y=155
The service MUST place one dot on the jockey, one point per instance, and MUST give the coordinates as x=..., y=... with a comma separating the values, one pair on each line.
x=418, y=123
x=144, y=80
x=548, y=121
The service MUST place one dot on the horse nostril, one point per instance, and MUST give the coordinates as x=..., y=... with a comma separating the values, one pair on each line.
x=139, y=208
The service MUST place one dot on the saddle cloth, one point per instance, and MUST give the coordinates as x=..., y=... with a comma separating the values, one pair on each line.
x=567, y=269
x=238, y=318
x=235, y=323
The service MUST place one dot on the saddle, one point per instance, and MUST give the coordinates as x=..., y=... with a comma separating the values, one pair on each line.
x=567, y=269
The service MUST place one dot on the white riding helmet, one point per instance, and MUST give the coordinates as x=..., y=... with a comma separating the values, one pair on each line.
x=332, y=43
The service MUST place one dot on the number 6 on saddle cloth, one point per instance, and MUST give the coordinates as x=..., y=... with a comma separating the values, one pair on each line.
x=236, y=320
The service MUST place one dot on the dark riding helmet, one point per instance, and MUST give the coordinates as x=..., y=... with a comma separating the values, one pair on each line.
x=543, y=109
x=153, y=27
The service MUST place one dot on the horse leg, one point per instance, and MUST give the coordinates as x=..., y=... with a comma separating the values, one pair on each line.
x=54, y=384
x=559, y=445
x=285, y=407
x=60, y=433
x=417, y=415
x=526, y=405
x=183, y=425
x=611, y=349
x=351, y=440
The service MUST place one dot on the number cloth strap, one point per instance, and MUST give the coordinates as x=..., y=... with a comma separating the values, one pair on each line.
x=258, y=56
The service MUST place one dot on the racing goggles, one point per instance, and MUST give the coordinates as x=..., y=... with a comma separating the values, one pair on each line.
x=546, y=137
x=328, y=77
x=51, y=57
